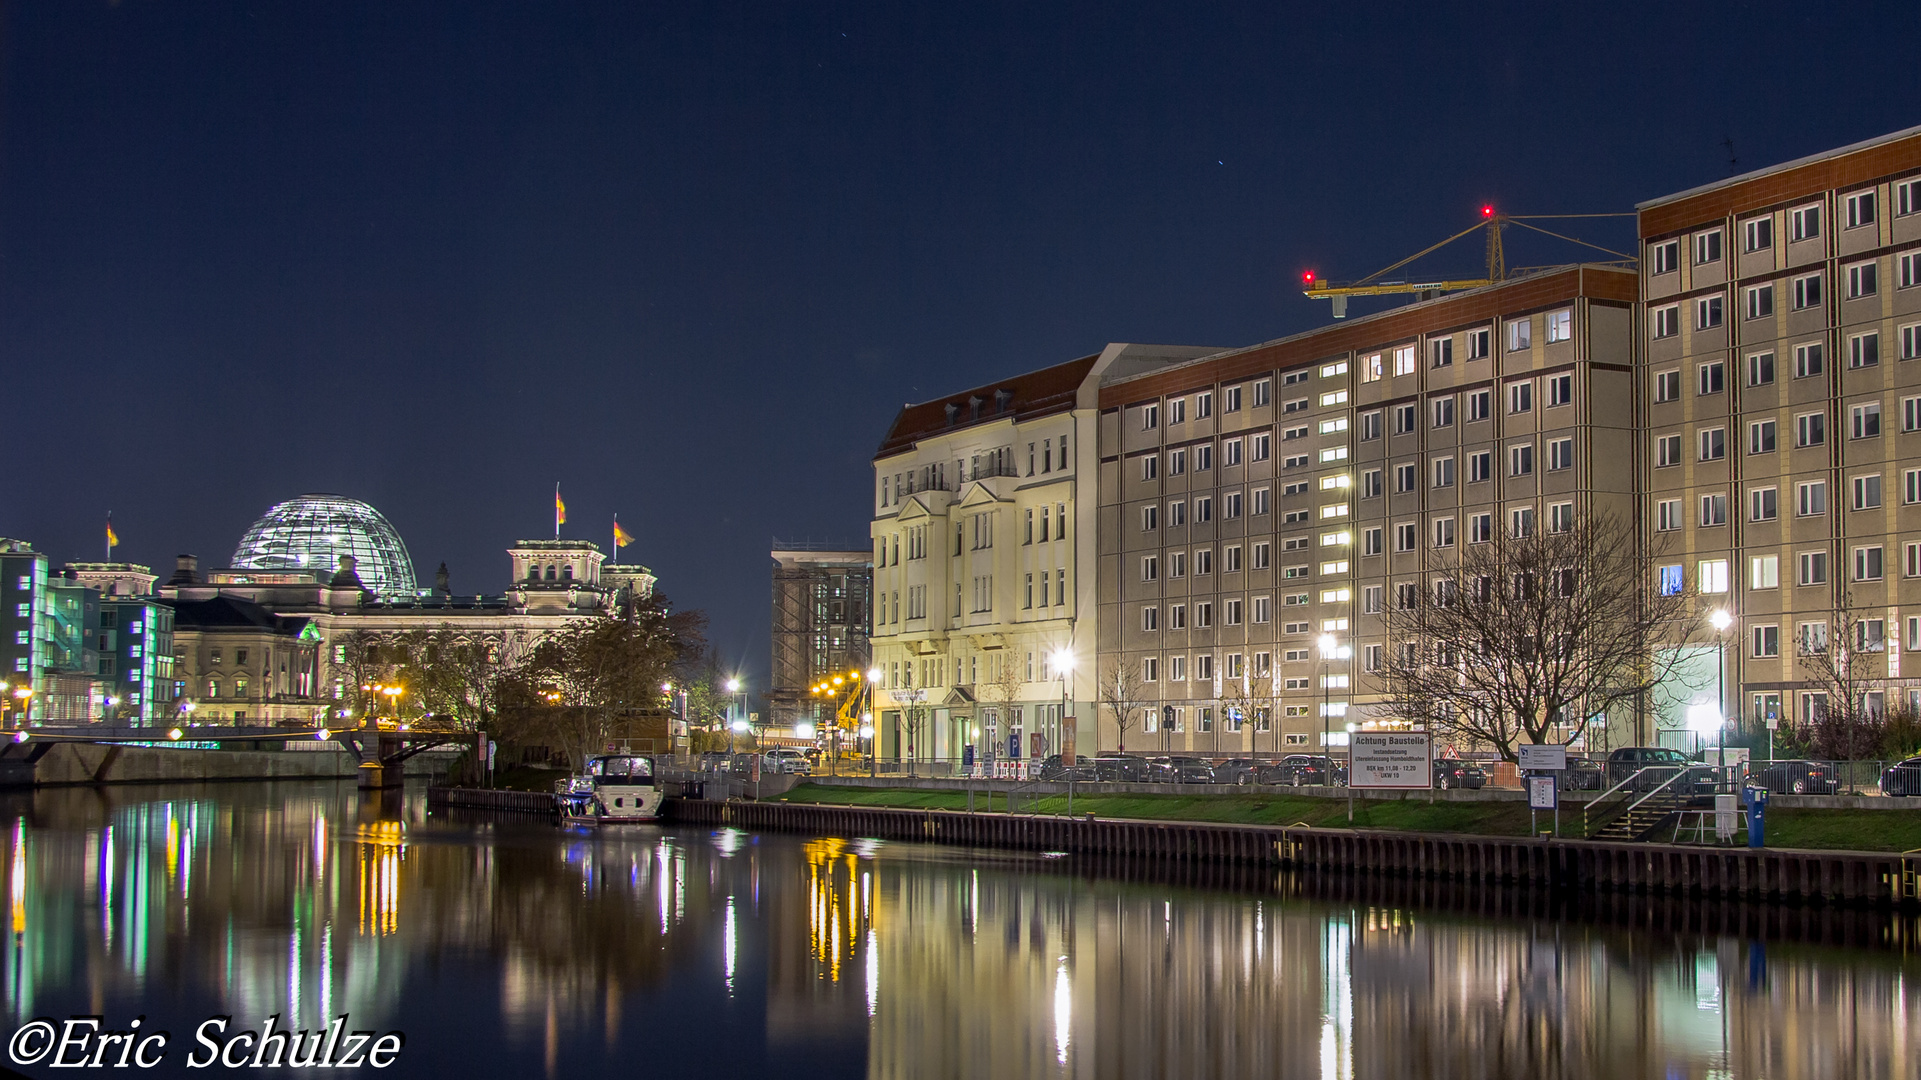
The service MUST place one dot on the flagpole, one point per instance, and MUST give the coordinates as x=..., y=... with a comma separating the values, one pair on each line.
x=556, y=510
x=616, y=539
x=109, y=536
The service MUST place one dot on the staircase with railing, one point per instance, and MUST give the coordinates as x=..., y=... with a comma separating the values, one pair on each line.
x=1632, y=811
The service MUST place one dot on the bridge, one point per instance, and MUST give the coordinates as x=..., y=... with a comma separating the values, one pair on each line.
x=381, y=751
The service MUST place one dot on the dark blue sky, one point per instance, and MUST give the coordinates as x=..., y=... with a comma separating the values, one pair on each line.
x=687, y=259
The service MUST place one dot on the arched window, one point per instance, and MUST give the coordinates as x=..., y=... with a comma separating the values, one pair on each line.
x=567, y=572
x=533, y=571
x=551, y=575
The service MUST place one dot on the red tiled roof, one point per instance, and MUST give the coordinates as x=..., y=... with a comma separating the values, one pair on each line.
x=1029, y=395
x=1377, y=331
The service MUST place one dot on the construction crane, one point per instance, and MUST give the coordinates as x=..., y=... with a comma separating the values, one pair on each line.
x=1316, y=288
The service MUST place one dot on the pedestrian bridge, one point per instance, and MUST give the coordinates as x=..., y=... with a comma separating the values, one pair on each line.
x=381, y=751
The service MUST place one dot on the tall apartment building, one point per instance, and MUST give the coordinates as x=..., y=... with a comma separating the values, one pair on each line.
x=983, y=536
x=1783, y=411
x=822, y=603
x=1259, y=502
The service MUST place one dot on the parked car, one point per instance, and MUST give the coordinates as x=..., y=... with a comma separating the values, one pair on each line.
x=1584, y=774
x=1456, y=773
x=713, y=761
x=786, y=759
x=1796, y=778
x=1304, y=770
x=1652, y=766
x=1185, y=770
x=1123, y=768
x=1082, y=770
x=1238, y=770
x=1903, y=778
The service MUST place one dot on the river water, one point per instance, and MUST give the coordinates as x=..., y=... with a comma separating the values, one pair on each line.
x=514, y=949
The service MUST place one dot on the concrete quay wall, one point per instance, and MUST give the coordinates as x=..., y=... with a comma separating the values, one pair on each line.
x=1844, y=877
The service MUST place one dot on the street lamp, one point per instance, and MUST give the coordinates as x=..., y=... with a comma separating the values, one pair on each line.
x=1063, y=662
x=1721, y=620
x=1327, y=644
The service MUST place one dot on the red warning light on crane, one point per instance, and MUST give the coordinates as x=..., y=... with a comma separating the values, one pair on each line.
x=1307, y=278
x=1487, y=211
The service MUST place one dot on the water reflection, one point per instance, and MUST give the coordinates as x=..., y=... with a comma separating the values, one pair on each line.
x=507, y=949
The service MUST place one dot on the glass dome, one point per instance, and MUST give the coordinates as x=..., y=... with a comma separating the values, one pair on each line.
x=313, y=531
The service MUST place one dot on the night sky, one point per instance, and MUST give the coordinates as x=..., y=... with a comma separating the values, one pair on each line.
x=687, y=259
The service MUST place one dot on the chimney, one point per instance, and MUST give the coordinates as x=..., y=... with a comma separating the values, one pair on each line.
x=186, y=570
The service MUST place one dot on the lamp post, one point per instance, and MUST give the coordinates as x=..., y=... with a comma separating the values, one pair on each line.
x=1063, y=662
x=1721, y=620
x=1327, y=705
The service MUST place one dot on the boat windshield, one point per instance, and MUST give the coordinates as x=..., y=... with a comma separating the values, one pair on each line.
x=630, y=769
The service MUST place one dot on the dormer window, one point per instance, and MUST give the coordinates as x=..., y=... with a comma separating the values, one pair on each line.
x=1001, y=400
x=953, y=413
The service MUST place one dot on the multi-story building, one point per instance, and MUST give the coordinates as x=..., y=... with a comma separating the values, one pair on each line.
x=983, y=563
x=23, y=639
x=1782, y=459
x=1261, y=507
x=242, y=663
x=136, y=659
x=822, y=603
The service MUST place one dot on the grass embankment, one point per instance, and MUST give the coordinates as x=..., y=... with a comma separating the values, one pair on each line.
x=1832, y=830
x=1490, y=818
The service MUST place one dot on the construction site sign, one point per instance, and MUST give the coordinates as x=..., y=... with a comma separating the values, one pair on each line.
x=1401, y=760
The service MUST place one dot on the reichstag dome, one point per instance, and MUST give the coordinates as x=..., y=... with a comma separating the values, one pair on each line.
x=312, y=532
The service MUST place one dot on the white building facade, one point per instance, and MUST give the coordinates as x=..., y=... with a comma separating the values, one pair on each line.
x=984, y=553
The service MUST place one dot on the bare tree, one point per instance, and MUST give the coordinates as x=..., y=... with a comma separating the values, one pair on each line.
x=1124, y=691
x=1524, y=634
x=1005, y=682
x=1844, y=657
x=1249, y=696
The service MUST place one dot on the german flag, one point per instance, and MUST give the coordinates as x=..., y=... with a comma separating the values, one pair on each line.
x=621, y=536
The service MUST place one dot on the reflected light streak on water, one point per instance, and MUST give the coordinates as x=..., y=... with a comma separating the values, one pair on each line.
x=871, y=959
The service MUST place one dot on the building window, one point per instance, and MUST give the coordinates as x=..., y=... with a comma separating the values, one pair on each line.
x=1520, y=397
x=1404, y=537
x=1480, y=466
x=1764, y=572
x=1667, y=450
x=1520, y=334
x=1560, y=517
x=1807, y=292
x=1864, y=350
x=1444, y=532
x=1860, y=209
x=1866, y=420
x=1444, y=472
x=1711, y=575
x=1480, y=528
x=1671, y=580
x=1667, y=321
x=1150, y=619
x=1907, y=197
x=1804, y=223
x=1711, y=378
x=1665, y=258
x=1761, y=369
x=1151, y=568
x=1863, y=280
x=1867, y=563
x=1370, y=426
x=1479, y=405
x=1911, y=341
x=1707, y=247
x=1150, y=417
x=1150, y=467
x=1560, y=326
x=1203, y=408
x=1176, y=414
x=1758, y=234
x=1767, y=641
x=1371, y=368
x=1814, y=567
x=1707, y=313
x=1231, y=399
x=1404, y=360
x=1520, y=460
x=1714, y=443
x=1521, y=522
x=1911, y=486
x=1714, y=510
x=1867, y=492
x=1371, y=541
x=1560, y=454
x=1441, y=352
x=1667, y=385
x=1444, y=412
x=1264, y=391
x=1761, y=437
x=1810, y=429
x=1763, y=504
x=1667, y=515
x=1560, y=390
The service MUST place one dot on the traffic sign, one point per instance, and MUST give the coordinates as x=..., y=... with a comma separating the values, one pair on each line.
x=1543, y=757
